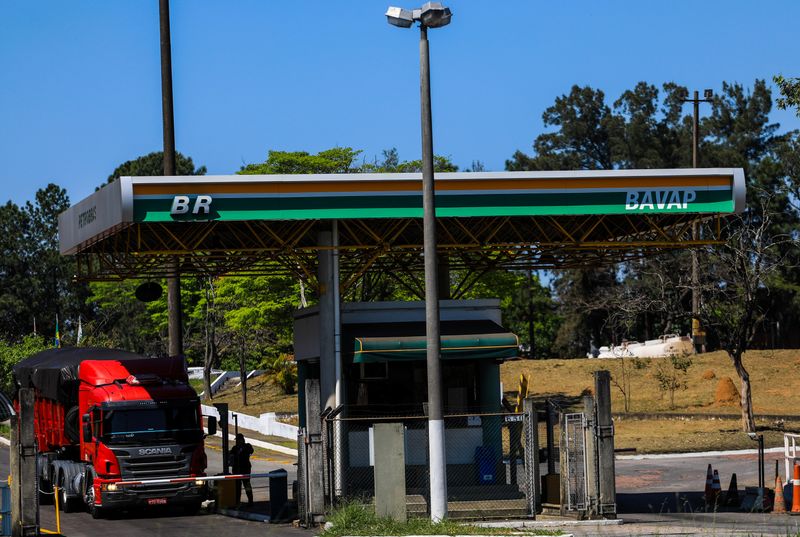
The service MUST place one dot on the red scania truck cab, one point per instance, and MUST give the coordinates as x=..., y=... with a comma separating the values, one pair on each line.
x=103, y=416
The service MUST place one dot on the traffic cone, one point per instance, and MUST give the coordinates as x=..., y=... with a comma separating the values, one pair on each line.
x=716, y=487
x=732, y=497
x=779, y=504
x=796, y=489
x=709, y=482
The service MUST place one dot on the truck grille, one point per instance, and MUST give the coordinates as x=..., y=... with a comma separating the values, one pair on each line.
x=134, y=466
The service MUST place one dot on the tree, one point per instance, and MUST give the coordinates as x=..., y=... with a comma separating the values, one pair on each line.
x=740, y=276
x=12, y=353
x=648, y=128
x=790, y=93
x=671, y=375
x=152, y=164
x=35, y=281
x=334, y=160
x=117, y=318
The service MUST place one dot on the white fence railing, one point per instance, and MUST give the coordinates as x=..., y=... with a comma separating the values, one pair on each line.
x=221, y=377
x=791, y=455
x=266, y=424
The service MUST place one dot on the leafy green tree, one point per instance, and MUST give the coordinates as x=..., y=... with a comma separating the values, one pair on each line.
x=334, y=160
x=789, y=89
x=12, y=353
x=152, y=164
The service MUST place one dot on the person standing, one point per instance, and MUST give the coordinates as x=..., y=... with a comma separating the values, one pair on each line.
x=240, y=460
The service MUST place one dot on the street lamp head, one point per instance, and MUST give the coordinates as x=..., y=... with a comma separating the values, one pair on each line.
x=397, y=16
x=431, y=15
x=434, y=15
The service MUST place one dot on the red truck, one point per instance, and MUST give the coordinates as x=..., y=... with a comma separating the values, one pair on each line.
x=103, y=416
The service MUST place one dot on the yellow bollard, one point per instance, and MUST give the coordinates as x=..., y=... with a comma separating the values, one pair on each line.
x=56, y=499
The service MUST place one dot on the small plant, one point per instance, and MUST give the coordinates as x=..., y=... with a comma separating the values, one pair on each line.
x=671, y=376
x=282, y=371
x=623, y=381
x=356, y=518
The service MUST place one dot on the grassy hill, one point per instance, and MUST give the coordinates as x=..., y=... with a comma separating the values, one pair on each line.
x=775, y=377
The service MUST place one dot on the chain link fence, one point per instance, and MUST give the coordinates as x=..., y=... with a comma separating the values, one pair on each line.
x=488, y=473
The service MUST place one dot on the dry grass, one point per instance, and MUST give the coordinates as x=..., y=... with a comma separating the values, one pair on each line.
x=773, y=376
x=262, y=396
x=680, y=435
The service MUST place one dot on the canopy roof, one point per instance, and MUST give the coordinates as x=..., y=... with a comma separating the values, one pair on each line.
x=139, y=226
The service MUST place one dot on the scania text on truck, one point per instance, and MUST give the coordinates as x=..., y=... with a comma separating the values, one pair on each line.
x=103, y=416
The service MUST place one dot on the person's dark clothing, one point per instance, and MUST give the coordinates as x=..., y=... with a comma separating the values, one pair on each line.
x=240, y=463
x=240, y=458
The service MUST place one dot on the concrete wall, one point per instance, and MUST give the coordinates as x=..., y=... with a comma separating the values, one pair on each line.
x=266, y=424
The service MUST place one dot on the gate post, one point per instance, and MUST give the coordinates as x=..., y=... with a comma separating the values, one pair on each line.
x=25, y=479
x=532, y=479
x=590, y=432
x=607, y=504
x=315, y=466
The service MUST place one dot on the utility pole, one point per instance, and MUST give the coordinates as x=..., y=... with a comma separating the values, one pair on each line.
x=698, y=333
x=175, y=326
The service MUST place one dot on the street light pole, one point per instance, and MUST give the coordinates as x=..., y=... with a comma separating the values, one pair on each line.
x=431, y=15
x=436, y=447
x=698, y=335
x=174, y=321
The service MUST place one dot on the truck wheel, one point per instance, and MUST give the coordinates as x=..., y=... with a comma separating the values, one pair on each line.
x=95, y=510
x=66, y=503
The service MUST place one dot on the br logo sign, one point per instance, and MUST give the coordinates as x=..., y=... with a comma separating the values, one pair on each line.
x=184, y=204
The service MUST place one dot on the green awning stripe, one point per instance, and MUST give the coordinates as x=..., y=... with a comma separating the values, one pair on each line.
x=463, y=347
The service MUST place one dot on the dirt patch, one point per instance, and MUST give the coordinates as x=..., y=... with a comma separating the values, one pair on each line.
x=709, y=374
x=726, y=394
x=639, y=480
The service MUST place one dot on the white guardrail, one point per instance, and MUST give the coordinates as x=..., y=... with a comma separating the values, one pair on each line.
x=266, y=424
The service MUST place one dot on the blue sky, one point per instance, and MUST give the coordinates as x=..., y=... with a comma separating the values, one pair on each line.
x=80, y=80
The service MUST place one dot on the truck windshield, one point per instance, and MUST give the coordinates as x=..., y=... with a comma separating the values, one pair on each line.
x=178, y=424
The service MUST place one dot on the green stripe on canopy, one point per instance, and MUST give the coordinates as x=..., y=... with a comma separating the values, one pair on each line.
x=463, y=347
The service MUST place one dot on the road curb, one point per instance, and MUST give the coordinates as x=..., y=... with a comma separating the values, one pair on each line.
x=696, y=454
x=548, y=523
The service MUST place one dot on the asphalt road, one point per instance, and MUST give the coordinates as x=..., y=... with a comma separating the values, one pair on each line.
x=648, y=492
x=169, y=524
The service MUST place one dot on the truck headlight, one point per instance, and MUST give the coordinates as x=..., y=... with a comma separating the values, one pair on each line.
x=199, y=482
x=112, y=487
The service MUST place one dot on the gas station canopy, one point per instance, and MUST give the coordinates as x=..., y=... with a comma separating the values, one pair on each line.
x=262, y=224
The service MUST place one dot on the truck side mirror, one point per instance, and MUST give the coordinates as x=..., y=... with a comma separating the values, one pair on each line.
x=212, y=425
x=87, y=430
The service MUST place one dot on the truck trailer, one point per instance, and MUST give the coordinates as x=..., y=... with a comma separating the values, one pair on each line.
x=103, y=416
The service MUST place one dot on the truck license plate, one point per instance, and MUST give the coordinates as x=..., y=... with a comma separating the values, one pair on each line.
x=157, y=501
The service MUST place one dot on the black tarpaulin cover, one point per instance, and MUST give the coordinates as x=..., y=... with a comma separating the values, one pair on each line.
x=54, y=372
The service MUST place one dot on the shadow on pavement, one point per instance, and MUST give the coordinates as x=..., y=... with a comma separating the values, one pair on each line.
x=661, y=502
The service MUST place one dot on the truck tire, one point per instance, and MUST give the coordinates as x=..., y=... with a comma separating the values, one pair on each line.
x=95, y=510
x=66, y=503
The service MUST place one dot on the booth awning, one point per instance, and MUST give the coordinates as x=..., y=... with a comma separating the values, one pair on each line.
x=500, y=346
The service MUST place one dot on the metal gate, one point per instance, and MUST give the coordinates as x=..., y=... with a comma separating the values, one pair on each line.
x=575, y=461
x=302, y=479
